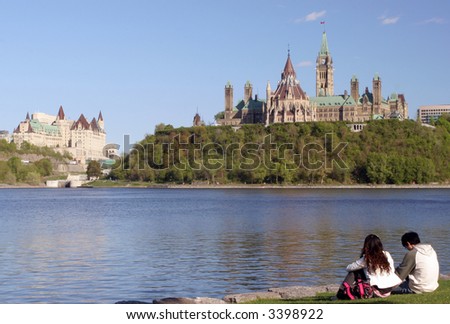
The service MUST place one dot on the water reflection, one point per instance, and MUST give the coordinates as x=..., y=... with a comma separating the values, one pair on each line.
x=105, y=245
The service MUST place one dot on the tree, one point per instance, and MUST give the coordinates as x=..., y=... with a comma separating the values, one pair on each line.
x=44, y=167
x=94, y=169
x=377, y=168
x=219, y=115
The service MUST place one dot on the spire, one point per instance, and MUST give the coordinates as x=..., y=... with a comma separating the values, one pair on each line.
x=288, y=68
x=100, y=116
x=324, y=47
x=61, y=115
x=289, y=86
x=28, y=116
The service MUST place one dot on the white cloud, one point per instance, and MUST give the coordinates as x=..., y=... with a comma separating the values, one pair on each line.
x=434, y=20
x=313, y=16
x=388, y=20
x=304, y=64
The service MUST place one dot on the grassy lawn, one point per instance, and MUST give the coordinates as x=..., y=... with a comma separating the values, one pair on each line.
x=440, y=296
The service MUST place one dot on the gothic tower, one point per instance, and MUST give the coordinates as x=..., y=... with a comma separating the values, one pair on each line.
x=376, y=84
x=248, y=89
x=324, y=70
x=354, y=86
x=228, y=101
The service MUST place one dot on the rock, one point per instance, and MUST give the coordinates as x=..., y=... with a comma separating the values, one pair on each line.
x=131, y=302
x=185, y=300
x=207, y=300
x=248, y=297
x=444, y=277
x=296, y=292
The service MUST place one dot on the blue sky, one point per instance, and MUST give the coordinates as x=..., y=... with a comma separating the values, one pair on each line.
x=146, y=62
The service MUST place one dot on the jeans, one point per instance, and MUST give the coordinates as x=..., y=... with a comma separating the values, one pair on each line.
x=403, y=288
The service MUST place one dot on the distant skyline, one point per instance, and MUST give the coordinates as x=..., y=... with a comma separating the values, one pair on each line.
x=148, y=62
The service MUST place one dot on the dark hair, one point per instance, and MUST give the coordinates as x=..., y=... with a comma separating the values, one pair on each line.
x=411, y=238
x=374, y=255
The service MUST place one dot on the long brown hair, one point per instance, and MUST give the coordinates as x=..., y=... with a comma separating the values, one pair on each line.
x=373, y=254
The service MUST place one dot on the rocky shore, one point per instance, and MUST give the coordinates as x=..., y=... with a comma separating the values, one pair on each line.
x=284, y=293
x=294, y=292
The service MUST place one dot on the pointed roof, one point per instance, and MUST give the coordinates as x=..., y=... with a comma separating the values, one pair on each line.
x=324, y=46
x=81, y=122
x=28, y=116
x=94, y=124
x=100, y=116
x=197, y=120
x=288, y=68
x=61, y=115
x=289, y=85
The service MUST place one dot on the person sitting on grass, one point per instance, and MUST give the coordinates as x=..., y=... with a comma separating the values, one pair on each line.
x=419, y=268
x=378, y=266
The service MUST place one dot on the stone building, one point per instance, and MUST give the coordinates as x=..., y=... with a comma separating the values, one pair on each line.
x=82, y=139
x=289, y=103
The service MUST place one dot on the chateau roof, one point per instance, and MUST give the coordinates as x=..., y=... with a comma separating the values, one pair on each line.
x=61, y=115
x=81, y=123
x=100, y=116
x=94, y=125
x=36, y=126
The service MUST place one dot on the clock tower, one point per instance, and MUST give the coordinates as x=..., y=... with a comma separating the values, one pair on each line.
x=324, y=70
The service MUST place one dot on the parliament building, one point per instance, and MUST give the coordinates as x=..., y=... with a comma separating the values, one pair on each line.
x=288, y=103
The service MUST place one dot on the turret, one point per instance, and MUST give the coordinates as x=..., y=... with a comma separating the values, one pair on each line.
x=354, y=88
x=268, y=95
x=100, y=120
x=376, y=89
x=228, y=100
x=247, y=91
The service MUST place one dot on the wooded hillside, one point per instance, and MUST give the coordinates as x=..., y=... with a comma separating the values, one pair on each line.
x=385, y=152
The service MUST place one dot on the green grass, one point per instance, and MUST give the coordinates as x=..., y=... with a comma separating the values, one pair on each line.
x=440, y=296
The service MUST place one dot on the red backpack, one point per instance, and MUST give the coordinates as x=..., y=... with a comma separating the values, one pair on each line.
x=355, y=286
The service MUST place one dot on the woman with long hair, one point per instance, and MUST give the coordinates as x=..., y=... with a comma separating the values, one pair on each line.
x=378, y=266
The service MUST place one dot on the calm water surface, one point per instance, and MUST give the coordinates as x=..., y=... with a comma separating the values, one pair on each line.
x=107, y=245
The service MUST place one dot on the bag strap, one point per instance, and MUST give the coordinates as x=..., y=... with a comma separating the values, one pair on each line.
x=348, y=290
x=361, y=288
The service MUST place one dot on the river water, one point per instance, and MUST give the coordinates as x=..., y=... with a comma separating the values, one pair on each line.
x=108, y=245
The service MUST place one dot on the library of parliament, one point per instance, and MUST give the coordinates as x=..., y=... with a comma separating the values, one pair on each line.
x=289, y=103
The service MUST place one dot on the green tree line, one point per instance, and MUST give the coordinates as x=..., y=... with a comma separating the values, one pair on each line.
x=13, y=170
x=384, y=152
x=9, y=149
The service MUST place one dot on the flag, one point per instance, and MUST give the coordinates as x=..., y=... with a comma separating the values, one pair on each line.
x=322, y=22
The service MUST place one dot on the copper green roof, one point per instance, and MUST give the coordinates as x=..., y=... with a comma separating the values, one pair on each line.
x=251, y=105
x=324, y=46
x=332, y=101
x=37, y=127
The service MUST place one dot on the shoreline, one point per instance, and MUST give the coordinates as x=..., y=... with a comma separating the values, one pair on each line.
x=237, y=186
